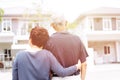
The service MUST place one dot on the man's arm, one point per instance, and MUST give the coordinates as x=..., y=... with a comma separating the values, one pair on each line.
x=83, y=70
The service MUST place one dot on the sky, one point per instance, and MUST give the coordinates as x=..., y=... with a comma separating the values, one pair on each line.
x=71, y=9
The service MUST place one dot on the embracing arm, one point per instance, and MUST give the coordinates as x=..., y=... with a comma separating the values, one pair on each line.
x=59, y=70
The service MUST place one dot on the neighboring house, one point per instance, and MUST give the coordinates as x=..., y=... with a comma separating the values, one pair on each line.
x=101, y=31
x=15, y=28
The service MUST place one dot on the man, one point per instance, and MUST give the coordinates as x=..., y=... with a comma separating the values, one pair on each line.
x=66, y=47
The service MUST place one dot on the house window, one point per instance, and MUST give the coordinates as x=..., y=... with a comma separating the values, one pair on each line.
x=106, y=50
x=91, y=23
x=30, y=26
x=26, y=27
x=107, y=24
x=6, y=25
x=118, y=24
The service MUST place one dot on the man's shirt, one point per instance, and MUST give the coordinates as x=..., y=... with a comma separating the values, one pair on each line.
x=67, y=48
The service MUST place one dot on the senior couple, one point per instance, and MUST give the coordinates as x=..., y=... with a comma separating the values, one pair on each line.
x=62, y=56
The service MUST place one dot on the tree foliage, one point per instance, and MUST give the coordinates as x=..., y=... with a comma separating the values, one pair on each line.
x=72, y=25
x=1, y=14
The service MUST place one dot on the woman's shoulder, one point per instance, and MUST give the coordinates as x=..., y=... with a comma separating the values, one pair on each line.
x=22, y=52
x=47, y=52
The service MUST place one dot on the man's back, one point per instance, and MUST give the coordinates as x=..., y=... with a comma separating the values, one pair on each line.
x=67, y=48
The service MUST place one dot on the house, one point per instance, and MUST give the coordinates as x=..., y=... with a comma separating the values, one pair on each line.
x=101, y=30
x=15, y=28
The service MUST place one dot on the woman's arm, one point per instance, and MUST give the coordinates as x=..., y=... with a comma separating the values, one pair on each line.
x=59, y=70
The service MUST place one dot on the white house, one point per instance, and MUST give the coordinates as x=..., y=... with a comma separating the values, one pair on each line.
x=101, y=31
x=15, y=28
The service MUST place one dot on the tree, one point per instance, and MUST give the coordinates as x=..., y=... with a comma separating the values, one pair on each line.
x=1, y=14
x=36, y=15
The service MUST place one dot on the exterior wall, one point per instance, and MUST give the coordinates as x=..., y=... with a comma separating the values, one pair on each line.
x=90, y=59
x=118, y=51
x=100, y=52
x=4, y=46
x=15, y=25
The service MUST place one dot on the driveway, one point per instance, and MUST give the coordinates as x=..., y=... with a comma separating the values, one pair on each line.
x=97, y=72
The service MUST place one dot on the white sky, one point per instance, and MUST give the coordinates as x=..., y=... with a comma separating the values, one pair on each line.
x=70, y=8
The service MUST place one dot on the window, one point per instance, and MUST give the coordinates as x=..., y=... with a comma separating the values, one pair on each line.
x=30, y=25
x=91, y=23
x=7, y=54
x=106, y=50
x=26, y=26
x=118, y=24
x=107, y=24
x=6, y=25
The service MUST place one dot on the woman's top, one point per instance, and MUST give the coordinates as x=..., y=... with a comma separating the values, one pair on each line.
x=37, y=66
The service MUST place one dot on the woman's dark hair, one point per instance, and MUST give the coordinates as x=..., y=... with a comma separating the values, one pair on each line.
x=39, y=36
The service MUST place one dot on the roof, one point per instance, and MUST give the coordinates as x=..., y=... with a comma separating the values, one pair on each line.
x=22, y=11
x=14, y=10
x=104, y=11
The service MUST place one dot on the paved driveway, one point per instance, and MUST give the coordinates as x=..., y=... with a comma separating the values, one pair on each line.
x=104, y=72
x=99, y=72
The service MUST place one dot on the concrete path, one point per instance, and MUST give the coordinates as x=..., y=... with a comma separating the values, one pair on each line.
x=98, y=72
x=104, y=72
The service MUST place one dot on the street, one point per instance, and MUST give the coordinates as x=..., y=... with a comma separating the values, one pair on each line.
x=97, y=72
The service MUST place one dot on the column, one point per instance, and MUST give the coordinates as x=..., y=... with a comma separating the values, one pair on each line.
x=118, y=51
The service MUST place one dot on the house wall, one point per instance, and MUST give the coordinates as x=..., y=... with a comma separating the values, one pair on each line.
x=99, y=49
x=5, y=46
x=118, y=51
x=15, y=25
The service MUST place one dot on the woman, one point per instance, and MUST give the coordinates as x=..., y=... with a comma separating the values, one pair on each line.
x=36, y=63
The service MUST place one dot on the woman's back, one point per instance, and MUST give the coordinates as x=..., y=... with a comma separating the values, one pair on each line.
x=33, y=65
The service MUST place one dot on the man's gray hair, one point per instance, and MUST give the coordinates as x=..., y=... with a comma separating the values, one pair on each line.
x=58, y=19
